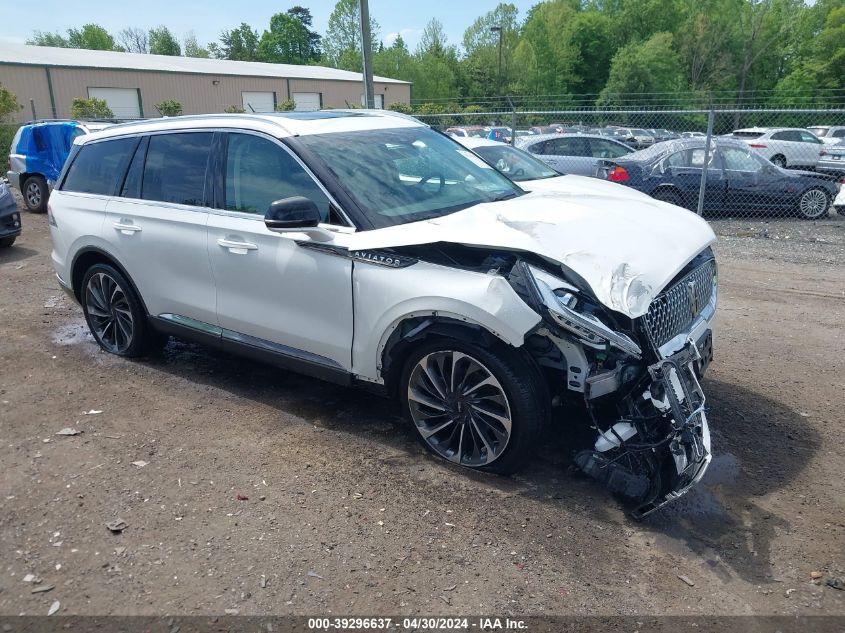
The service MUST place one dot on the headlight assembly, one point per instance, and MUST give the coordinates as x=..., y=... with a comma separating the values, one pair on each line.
x=561, y=302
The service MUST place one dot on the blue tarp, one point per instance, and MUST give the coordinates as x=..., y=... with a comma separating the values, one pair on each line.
x=46, y=146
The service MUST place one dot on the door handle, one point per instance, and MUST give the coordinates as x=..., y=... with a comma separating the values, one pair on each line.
x=126, y=228
x=238, y=248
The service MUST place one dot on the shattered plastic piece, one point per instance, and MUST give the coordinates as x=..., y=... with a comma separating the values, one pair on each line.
x=31, y=578
x=92, y=412
x=686, y=580
x=117, y=525
x=69, y=431
x=43, y=589
x=836, y=583
x=54, y=607
x=314, y=574
x=242, y=498
x=140, y=463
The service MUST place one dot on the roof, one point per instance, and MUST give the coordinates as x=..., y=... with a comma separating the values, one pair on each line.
x=530, y=139
x=278, y=124
x=473, y=142
x=82, y=58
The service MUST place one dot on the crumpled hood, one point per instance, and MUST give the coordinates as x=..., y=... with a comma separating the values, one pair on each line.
x=627, y=250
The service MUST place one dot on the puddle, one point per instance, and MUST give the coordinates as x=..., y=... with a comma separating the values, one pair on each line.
x=72, y=334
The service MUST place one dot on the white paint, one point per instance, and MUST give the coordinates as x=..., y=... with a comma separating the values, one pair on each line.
x=123, y=102
x=259, y=101
x=627, y=253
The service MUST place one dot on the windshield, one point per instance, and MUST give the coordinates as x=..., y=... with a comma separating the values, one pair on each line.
x=515, y=164
x=819, y=131
x=407, y=174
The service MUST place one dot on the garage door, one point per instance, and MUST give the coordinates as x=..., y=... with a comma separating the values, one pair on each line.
x=379, y=101
x=259, y=101
x=306, y=101
x=125, y=103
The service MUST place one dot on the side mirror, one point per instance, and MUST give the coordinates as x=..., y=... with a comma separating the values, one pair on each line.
x=296, y=215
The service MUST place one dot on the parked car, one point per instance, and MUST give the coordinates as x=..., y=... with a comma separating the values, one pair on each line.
x=362, y=247
x=572, y=153
x=832, y=159
x=839, y=202
x=10, y=219
x=38, y=152
x=662, y=134
x=692, y=134
x=738, y=178
x=474, y=131
x=784, y=147
x=829, y=134
x=532, y=174
x=500, y=134
x=636, y=137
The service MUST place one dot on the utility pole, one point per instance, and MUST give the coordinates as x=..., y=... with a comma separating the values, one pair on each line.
x=499, y=30
x=366, y=53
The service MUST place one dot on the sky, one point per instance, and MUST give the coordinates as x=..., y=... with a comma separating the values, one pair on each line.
x=207, y=18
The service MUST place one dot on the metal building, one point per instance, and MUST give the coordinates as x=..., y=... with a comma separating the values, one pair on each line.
x=48, y=79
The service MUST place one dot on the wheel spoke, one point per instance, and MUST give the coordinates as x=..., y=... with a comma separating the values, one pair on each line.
x=482, y=437
x=435, y=378
x=427, y=433
x=425, y=400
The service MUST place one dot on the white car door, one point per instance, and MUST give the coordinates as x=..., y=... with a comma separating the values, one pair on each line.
x=156, y=227
x=275, y=293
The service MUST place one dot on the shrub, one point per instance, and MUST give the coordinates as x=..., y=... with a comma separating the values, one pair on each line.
x=171, y=107
x=399, y=106
x=9, y=103
x=92, y=108
x=233, y=109
x=286, y=106
x=7, y=133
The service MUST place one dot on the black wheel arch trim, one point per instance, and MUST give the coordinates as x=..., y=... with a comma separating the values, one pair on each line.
x=112, y=261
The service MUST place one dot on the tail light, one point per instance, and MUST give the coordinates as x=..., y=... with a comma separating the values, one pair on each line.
x=823, y=153
x=757, y=145
x=618, y=174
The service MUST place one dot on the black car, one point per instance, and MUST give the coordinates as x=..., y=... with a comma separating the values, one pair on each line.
x=10, y=218
x=738, y=179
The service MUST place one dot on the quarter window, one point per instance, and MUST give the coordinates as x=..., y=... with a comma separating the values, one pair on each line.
x=99, y=167
x=259, y=172
x=175, y=168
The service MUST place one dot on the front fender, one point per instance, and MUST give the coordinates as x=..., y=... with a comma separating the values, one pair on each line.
x=385, y=297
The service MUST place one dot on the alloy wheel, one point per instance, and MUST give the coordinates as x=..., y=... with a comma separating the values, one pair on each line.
x=813, y=203
x=33, y=194
x=459, y=408
x=109, y=313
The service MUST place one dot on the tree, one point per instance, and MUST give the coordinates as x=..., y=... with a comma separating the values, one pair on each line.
x=314, y=39
x=47, y=39
x=134, y=40
x=287, y=105
x=394, y=61
x=649, y=67
x=481, y=45
x=288, y=41
x=9, y=103
x=342, y=43
x=239, y=44
x=91, y=36
x=546, y=56
x=90, y=109
x=171, y=107
x=192, y=48
x=162, y=42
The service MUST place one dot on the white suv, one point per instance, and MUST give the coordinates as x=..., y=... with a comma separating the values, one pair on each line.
x=785, y=147
x=365, y=248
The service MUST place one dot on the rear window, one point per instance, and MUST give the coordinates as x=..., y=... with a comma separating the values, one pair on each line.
x=747, y=134
x=99, y=167
x=175, y=168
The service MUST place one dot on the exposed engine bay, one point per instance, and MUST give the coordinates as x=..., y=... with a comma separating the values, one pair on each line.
x=636, y=378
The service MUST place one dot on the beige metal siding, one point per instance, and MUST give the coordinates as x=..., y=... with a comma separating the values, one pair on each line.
x=198, y=94
x=27, y=82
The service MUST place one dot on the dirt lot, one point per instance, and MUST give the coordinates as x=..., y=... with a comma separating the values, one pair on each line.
x=346, y=515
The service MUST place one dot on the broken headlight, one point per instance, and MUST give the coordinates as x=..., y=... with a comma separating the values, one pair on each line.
x=561, y=301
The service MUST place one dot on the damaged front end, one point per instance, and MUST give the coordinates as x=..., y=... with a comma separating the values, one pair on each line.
x=638, y=378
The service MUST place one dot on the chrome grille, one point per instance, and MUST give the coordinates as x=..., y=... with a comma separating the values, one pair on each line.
x=674, y=310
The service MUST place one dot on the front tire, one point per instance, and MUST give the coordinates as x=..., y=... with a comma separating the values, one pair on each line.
x=35, y=194
x=779, y=161
x=813, y=203
x=114, y=313
x=481, y=408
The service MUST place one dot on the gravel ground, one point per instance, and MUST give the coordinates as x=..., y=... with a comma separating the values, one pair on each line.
x=341, y=513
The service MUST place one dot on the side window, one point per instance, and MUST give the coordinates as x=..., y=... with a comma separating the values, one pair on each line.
x=175, y=168
x=809, y=138
x=99, y=167
x=678, y=159
x=567, y=147
x=739, y=160
x=132, y=183
x=259, y=172
x=600, y=148
x=781, y=136
x=839, y=133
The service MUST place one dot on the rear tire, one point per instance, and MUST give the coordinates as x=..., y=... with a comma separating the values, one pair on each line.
x=813, y=203
x=6, y=242
x=779, y=161
x=35, y=194
x=669, y=195
x=480, y=408
x=115, y=314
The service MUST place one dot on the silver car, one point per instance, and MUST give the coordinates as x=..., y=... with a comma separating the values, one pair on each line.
x=573, y=153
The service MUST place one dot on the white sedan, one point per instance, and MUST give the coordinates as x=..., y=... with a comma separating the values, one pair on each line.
x=785, y=147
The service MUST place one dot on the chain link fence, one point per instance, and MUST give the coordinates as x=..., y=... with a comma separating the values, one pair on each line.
x=721, y=163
